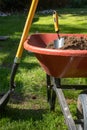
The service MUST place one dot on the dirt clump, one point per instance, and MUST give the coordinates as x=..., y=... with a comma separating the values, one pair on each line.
x=72, y=43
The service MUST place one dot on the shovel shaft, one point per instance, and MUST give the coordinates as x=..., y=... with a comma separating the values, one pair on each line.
x=27, y=27
x=23, y=38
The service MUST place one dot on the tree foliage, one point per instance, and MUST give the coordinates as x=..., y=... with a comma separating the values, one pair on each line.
x=43, y=4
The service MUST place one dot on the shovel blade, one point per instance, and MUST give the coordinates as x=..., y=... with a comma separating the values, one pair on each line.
x=58, y=43
x=4, y=100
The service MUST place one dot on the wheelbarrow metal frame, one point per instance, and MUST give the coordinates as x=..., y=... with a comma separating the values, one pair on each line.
x=54, y=85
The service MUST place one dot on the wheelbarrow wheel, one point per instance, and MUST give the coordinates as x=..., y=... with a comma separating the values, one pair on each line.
x=82, y=110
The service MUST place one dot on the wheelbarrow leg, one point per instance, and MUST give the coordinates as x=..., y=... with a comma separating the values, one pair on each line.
x=68, y=117
x=48, y=88
x=51, y=95
x=53, y=100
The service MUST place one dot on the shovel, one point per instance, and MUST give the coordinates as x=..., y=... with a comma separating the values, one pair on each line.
x=5, y=98
x=58, y=43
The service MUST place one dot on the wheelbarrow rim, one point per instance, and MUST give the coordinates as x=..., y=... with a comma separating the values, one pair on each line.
x=29, y=46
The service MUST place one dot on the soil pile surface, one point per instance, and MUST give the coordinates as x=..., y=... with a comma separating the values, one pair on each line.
x=72, y=43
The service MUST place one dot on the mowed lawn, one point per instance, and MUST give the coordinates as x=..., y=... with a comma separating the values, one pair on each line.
x=28, y=108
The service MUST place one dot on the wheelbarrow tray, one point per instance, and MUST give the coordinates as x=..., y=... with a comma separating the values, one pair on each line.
x=58, y=63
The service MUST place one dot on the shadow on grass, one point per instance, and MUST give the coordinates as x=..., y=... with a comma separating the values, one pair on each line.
x=15, y=114
x=63, y=28
x=73, y=29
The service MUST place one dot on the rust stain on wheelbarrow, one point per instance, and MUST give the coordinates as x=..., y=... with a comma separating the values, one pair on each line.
x=58, y=63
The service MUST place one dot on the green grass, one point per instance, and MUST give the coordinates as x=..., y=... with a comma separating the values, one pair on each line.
x=23, y=112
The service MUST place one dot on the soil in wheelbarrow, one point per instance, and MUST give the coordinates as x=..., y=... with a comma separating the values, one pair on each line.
x=72, y=43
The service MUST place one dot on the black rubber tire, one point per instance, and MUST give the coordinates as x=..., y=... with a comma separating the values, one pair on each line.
x=82, y=109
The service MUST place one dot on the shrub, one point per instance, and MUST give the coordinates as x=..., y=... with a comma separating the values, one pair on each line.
x=21, y=4
x=43, y=4
x=77, y=3
x=46, y=4
x=13, y=4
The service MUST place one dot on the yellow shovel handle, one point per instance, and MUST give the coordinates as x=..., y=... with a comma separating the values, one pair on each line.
x=55, y=20
x=26, y=28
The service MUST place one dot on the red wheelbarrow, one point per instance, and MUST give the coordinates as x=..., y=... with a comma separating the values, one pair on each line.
x=61, y=64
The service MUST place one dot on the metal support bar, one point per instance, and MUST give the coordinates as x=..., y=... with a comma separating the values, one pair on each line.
x=53, y=100
x=65, y=109
x=74, y=87
x=51, y=95
x=48, y=88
